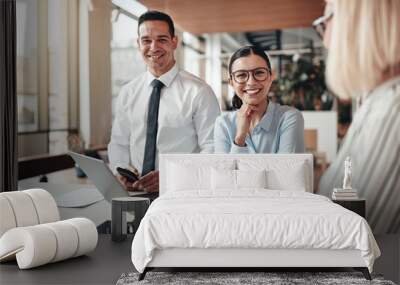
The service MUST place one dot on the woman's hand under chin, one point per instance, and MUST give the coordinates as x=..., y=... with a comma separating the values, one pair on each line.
x=243, y=122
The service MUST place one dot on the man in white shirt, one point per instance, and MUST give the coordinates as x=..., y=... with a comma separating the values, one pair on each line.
x=164, y=110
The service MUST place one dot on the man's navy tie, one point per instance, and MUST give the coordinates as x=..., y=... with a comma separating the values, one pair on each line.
x=149, y=161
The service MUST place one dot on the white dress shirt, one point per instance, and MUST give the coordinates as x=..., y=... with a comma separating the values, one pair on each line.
x=187, y=112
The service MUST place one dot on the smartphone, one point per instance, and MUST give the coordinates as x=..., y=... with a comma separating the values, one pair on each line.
x=132, y=177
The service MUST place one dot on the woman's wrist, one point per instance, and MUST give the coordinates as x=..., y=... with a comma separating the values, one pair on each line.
x=240, y=141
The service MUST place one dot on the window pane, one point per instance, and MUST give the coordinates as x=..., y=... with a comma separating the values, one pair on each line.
x=58, y=76
x=126, y=61
x=43, y=66
x=27, y=88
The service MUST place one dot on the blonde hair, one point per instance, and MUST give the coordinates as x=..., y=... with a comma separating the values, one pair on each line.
x=364, y=45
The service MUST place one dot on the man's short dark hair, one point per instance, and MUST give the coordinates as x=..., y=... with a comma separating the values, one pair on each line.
x=157, y=16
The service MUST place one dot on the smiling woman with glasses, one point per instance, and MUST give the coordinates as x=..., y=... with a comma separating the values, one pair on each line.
x=258, y=125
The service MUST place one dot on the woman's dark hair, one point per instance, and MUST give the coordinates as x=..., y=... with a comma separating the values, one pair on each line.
x=243, y=52
x=157, y=16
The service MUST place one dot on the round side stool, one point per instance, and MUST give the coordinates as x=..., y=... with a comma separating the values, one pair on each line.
x=120, y=206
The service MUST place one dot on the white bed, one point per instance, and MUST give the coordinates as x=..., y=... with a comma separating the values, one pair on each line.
x=217, y=211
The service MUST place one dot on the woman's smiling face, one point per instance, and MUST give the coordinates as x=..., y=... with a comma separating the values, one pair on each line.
x=255, y=89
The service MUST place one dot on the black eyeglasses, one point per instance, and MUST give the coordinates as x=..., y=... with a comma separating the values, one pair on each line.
x=319, y=24
x=259, y=74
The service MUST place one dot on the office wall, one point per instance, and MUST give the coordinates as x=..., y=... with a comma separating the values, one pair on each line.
x=325, y=122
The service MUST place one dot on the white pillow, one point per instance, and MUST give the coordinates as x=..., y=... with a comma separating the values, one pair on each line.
x=183, y=178
x=293, y=179
x=251, y=178
x=282, y=174
x=188, y=175
x=223, y=179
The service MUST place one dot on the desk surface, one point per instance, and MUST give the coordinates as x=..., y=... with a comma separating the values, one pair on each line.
x=102, y=266
x=64, y=181
x=66, y=176
x=110, y=259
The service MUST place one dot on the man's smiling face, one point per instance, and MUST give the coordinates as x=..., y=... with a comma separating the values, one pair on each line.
x=157, y=46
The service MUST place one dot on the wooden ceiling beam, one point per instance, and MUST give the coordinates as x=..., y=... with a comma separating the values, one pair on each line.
x=212, y=16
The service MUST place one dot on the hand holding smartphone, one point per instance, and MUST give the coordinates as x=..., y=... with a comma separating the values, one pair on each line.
x=129, y=175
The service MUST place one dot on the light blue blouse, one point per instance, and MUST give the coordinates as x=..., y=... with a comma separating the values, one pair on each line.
x=281, y=130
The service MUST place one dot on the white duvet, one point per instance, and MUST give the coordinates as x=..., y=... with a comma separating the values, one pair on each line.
x=253, y=218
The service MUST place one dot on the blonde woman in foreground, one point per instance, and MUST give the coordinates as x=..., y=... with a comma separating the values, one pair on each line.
x=363, y=39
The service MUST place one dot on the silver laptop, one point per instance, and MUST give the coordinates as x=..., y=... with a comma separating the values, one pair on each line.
x=102, y=177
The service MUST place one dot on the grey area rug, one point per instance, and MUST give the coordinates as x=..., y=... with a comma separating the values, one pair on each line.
x=273, y=278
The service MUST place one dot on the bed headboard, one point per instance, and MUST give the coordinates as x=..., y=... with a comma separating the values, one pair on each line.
x=249, y=160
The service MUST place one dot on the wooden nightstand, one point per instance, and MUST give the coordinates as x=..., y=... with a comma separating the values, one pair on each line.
x=357, y=205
